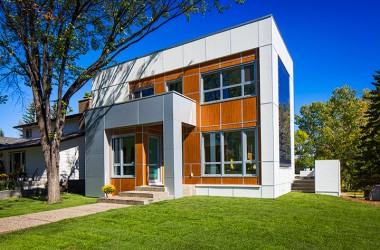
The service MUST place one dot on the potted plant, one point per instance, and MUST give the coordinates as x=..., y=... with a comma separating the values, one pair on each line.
x=108, y=189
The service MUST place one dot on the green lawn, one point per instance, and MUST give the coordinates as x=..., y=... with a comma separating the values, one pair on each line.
x=11, y=207
x=294, y=221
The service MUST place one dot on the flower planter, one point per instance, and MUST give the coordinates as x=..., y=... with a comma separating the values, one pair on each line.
x=5, y=194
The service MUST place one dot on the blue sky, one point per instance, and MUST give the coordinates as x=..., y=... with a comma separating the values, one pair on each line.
x=332, y=43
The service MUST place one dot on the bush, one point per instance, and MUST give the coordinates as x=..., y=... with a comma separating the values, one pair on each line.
x=108, y=189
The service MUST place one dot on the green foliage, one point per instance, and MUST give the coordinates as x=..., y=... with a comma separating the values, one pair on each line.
x=108, y=189
x=303, y=150
x=87, y=95
x=334, y=129
x=30, y=115
x=1, y=133
x=369, y=155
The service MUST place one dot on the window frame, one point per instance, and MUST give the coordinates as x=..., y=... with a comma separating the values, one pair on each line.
x=141, y=90
x=121, y=164
x=221, y=88
x=244, y=161
x=23, y=161
x=167, y=83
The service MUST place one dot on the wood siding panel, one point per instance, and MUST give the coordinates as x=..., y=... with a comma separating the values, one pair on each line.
x=250, y=109
x=191, y=84
x=232, y=180
x=231, y=112
x=211, y=180
x=210, y=115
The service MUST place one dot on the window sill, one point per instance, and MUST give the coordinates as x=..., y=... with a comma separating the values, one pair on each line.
x=123, y=177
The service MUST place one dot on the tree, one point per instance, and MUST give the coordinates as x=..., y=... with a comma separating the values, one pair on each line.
x=369, y=155
x=30, y=115
x=3, y=99
x=334, y=128
x=1, y=133
x=42, y=42
x=303, y=150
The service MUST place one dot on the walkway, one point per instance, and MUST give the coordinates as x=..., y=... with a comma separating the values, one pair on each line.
x=14, y=223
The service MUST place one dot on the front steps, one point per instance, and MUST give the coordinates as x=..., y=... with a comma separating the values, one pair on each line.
x=304, y=185
x=143, y=195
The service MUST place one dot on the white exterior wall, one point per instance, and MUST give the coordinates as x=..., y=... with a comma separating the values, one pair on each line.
x=71, y=126
x=327, y=177
x=71, y=159
x=111, y=86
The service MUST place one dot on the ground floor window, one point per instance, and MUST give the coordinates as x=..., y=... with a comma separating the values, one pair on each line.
x=17, y=162
x=123, y=149
x=230, y=152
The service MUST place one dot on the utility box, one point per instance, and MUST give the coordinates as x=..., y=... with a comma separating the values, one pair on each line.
x=327, y=177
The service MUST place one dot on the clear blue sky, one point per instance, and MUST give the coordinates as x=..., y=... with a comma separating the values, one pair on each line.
x=332, y=43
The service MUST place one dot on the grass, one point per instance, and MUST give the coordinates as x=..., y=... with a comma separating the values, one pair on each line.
x=11, y=207
x=294, y=221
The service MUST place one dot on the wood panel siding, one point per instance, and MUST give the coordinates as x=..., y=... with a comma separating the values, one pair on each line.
x=221, y=115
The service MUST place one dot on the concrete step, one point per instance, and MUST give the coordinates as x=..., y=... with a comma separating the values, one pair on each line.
x=144, y=194
x=303, y=185
x=304, y=181
x=158, y=188
x=126, y=200
x=304, y=191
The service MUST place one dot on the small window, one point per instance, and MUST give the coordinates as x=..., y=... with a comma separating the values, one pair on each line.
x=28, y=133
x=140, y=93
x=175, y=85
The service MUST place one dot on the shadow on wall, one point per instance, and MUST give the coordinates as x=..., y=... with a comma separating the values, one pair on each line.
x=112, y=87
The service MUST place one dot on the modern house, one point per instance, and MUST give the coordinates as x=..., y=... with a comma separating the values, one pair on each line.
x=212, y=116
x=23, y=156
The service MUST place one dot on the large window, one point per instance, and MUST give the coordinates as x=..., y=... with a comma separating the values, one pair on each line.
x=229, y=83
x=284, y=115
x=229, y=153
x=123, y=149
x=140, y=93
x=175, y=85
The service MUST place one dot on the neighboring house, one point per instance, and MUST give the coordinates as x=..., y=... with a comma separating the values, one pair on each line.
x=24, y=155
x=213, y=116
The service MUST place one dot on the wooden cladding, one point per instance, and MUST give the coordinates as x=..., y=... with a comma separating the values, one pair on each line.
x=222, y=115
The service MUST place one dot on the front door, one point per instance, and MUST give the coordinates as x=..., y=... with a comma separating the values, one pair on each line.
x=154, y=161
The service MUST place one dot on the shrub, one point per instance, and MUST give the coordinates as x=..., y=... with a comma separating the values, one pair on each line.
x=108, y=189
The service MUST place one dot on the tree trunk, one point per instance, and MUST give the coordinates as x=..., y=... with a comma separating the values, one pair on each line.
x=51, y=158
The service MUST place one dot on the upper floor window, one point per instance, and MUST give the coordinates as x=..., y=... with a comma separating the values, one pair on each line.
x=230, y=153
x=28, y=133
x=175, y=85
x=229, y=83
x=140, y=93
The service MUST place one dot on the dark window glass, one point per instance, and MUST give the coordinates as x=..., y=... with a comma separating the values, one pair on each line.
x=212, y=96
x=231, y=76
x=212, y=169
x=233, y=168
x=232, y=92
x=250, y=145
x=251, y=168
x=250, y=89
x=232, y=146
x=147, y=92
x=249, y=73
x=212, y=147
x=284, y=115
x=175, y=86
x=211, y=81
x=128, y=150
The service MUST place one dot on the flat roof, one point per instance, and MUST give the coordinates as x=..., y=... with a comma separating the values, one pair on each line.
x=192, y=40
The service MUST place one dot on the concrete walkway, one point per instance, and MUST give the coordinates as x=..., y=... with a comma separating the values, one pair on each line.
x=14, y=223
